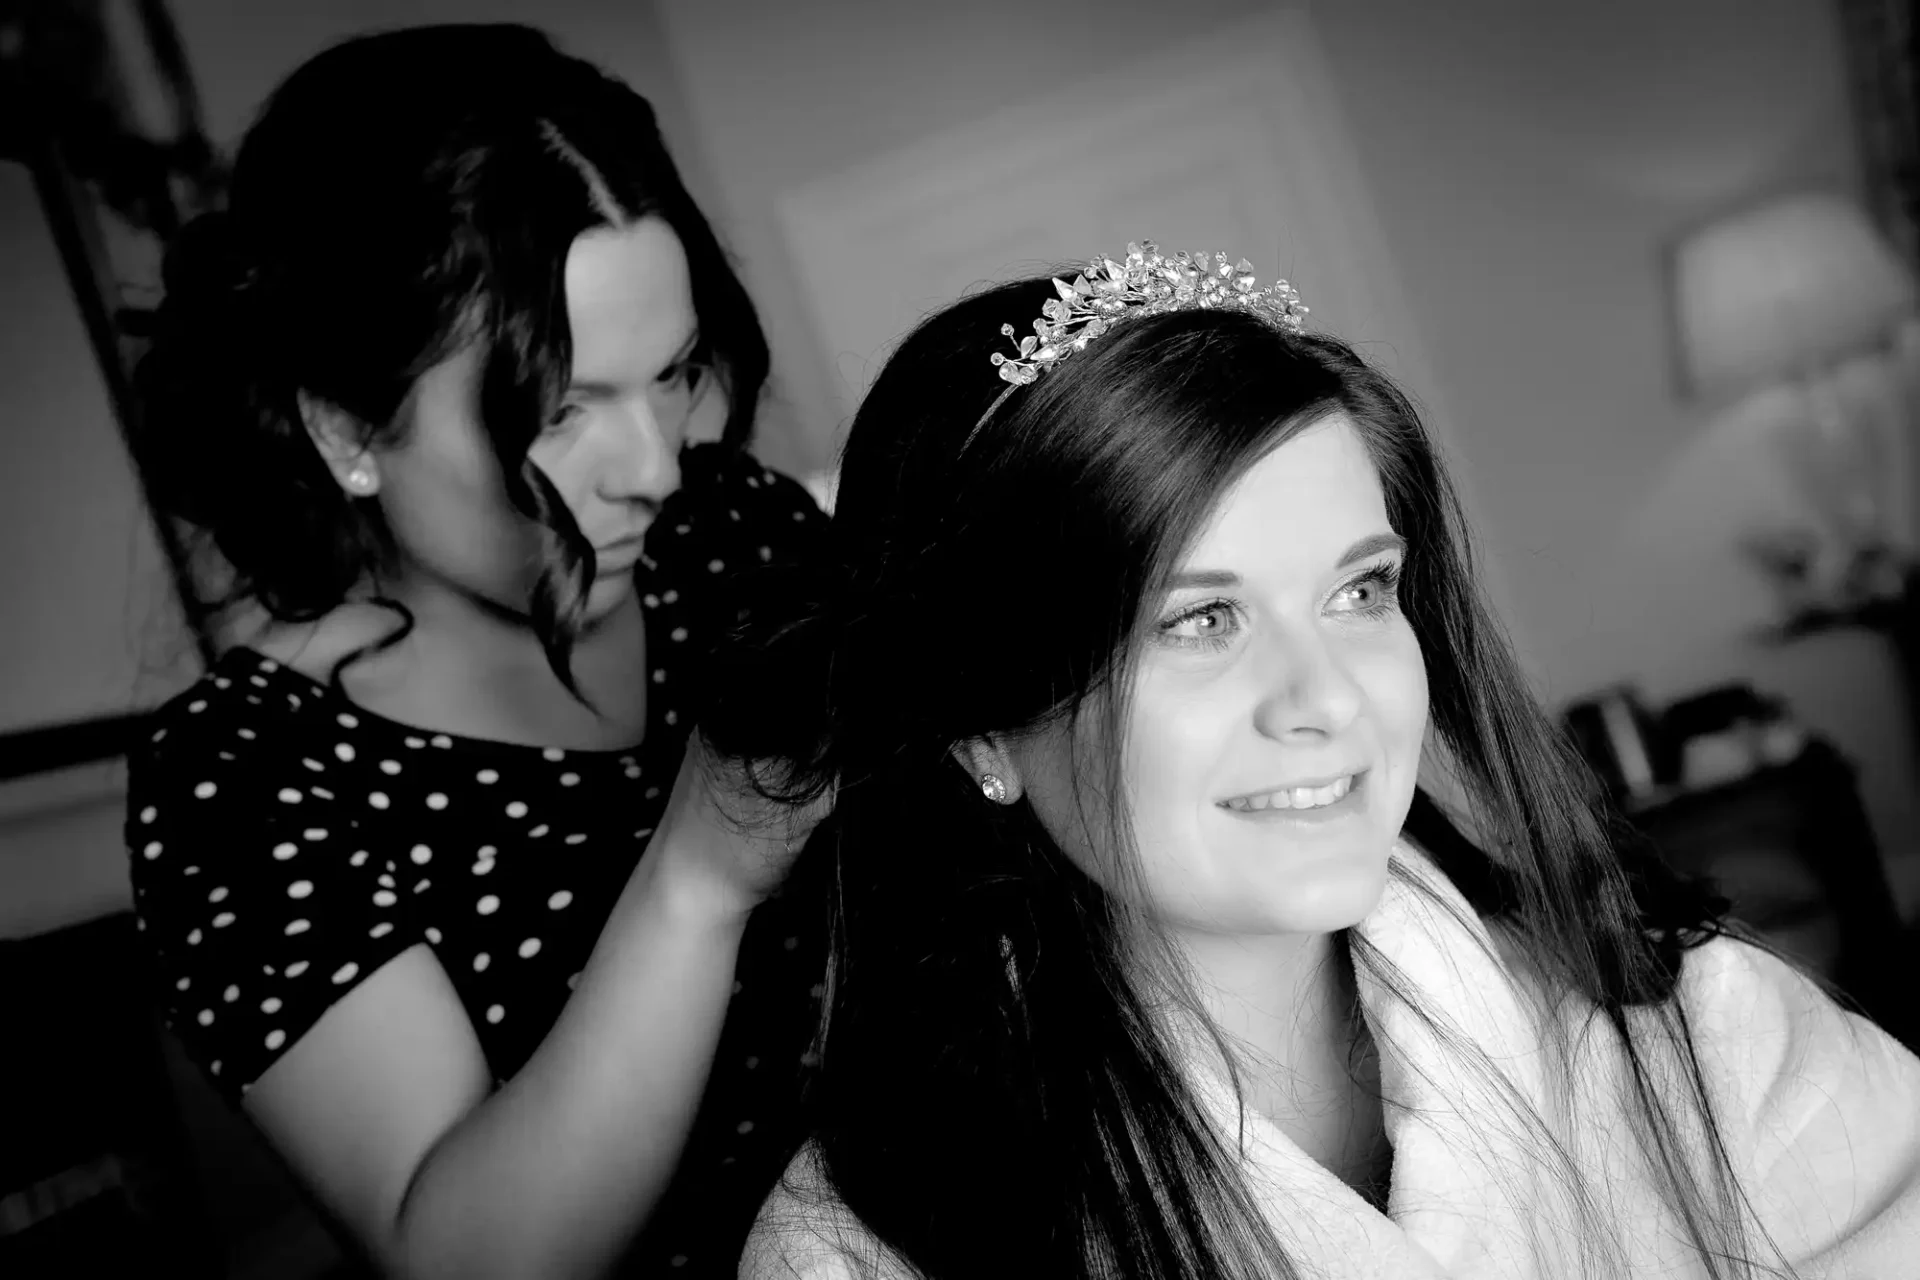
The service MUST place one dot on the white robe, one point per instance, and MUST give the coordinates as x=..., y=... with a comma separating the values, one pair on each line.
x=1819, y=1111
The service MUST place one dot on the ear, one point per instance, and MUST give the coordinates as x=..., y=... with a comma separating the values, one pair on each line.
x=341, y=441
x=989, y=757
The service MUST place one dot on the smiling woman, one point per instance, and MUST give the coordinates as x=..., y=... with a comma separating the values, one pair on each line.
x=1151, y=957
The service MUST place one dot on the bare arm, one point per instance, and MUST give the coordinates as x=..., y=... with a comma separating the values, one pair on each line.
x=384, y=1106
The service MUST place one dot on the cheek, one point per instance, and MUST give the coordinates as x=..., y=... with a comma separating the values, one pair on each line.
x=1395, y=681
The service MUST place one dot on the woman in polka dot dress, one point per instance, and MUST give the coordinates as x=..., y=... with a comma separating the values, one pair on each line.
x=458, y=391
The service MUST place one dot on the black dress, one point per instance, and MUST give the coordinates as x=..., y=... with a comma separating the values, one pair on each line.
x=285, y=844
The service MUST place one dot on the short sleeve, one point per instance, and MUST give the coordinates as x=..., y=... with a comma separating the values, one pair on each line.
x=1821, y=1110
x=260, y=903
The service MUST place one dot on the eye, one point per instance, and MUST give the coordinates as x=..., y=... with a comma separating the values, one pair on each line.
x=1374, y=592
x=1207, y=626
x=566, y=415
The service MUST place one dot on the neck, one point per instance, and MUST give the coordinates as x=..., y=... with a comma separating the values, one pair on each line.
x=1284, y=999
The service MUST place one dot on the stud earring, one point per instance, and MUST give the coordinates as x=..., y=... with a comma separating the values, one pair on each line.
x=993, y=789
x=360, y=480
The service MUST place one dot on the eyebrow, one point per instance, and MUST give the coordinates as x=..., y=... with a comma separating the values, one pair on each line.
x=610, y=391
x=1371, y=545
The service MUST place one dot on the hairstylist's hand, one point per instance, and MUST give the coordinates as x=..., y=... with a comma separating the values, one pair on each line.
x=721, y=837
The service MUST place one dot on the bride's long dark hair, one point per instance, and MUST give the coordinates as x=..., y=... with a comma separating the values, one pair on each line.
x=995, y=1091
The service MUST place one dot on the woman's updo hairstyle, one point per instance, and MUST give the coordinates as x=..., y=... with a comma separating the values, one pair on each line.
x=403, y=196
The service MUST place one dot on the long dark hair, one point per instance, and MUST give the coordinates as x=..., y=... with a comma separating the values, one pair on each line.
x=994, y=1081
x=403, y=196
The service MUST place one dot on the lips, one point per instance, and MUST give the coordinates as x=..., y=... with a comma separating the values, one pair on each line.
x=1316, y=795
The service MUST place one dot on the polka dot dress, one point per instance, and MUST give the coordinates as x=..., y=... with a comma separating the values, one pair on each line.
x=286, y=844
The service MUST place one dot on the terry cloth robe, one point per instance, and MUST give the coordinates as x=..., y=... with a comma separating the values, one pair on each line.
x=1818, y=1108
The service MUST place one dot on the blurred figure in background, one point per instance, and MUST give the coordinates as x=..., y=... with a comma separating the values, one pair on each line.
x=456, y=395
x=1150, y=957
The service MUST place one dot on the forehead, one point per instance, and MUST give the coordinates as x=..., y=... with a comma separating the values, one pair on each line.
x=629, y=300
x=1303, y=504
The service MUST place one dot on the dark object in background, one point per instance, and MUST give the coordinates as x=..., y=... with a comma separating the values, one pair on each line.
x=95, y=1175
x=1728, y=786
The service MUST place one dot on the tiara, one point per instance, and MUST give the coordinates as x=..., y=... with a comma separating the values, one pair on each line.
x=1147, y=283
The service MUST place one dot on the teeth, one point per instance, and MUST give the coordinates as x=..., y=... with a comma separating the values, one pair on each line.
x=1297, y=798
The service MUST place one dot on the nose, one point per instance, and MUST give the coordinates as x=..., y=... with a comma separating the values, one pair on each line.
x=643, y=463
x=1306, y=691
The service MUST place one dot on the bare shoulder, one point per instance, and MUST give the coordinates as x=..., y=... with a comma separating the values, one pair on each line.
x=312, y=648
x=805, y=1232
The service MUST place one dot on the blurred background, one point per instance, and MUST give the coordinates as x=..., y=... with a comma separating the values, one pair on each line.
x=1646, y=265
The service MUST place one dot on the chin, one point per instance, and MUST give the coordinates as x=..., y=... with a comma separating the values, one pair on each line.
x=1324, y=892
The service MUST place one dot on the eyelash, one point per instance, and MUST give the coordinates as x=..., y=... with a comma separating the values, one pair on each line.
x=1385, y=576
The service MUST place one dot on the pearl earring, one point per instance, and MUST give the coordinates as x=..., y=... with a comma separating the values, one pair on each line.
x=993, y=789
x=360, y=480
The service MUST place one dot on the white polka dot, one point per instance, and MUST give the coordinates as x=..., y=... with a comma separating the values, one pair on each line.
x=276, y=1038
x=205, y=790
x=487, y=905
x=715, y=566
x=732, y=514
x=378, y=799
x=190, y=871
x=268, y=664
x=218, y=895
x=183, y=984
x=653, y=793
x=539, y=831
x=643, y=833
x=421, y=855
x=553, y=753
x=193, y=938
x=222, y=920
x=227, y=755
x=257, y=681
x=791, y=943
x=573, y=982
x=659, y=675
x=569, y=779
x=149, y=813
x=300, y=889
x=347, y=721
x=231, y=994
x=247, y=734
x=206, y=1017
x=677, y=1260
x=221, y=682
x=157, y=735
x=285, y=850
x=314, y=765
x=387, y=882
x=416, y=743
x=495, y=1013
x=483, y=866
x=632, y=771
x=530, y=948
x=516, y=810
x=198, y=704
x=359, y=859
x=152, y=850
x=488, y=777
x=752, y=1063
x=799, y=515
x=344, y=751
x=745, y=1126
x=672, y=717
x=384, y=898
x=289, y=796
x=297, y=968
x=670, y=596
x=481, y=961
x=433, y=935
x=442, y=740
x=681, y=528
x=267, y=969
x=381, y=930
x=389, y=767
x=345, y=973
x=270, y=1005
x=214, y=1066
x=577, y=837
x=560, y=900
x=678, y=633
x=321, y=792
x=314, y=833
x=437, y=800
x=766, y=553
x=422, y=886
x=298, y=926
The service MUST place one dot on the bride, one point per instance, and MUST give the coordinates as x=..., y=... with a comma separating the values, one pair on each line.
x=1153, y=958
